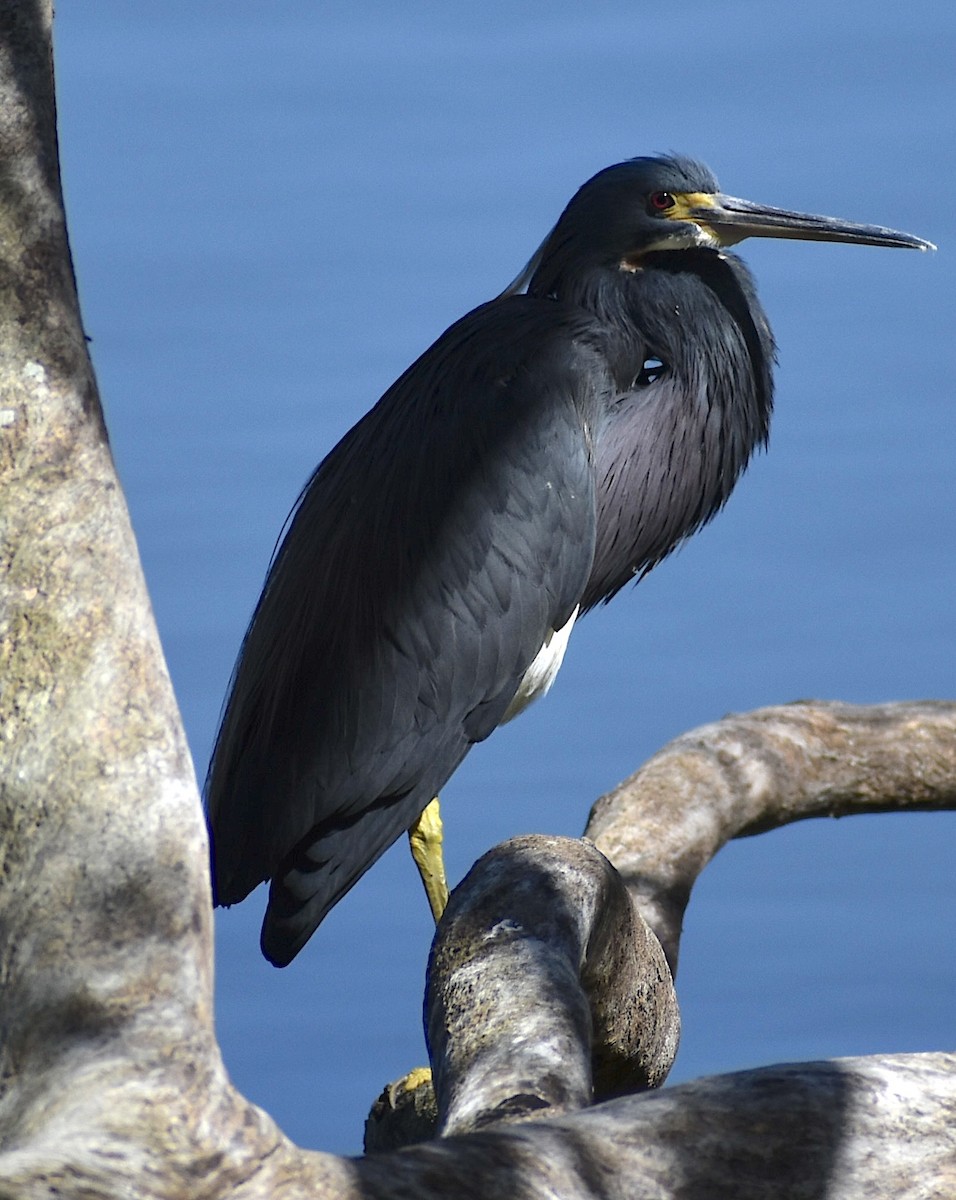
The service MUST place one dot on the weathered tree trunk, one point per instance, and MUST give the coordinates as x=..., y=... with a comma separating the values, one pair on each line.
x=111, y=1083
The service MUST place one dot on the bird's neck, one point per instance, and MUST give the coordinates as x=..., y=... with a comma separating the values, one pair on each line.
x=691, y=354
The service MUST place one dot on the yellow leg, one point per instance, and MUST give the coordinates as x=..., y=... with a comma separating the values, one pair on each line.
x=425, y=838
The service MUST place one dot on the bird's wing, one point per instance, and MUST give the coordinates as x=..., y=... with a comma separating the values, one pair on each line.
x=430, y=555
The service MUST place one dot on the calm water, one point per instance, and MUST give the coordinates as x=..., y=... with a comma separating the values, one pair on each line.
x=275, y=209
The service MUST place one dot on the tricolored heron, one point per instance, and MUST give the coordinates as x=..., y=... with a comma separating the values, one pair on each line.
x=552, y=445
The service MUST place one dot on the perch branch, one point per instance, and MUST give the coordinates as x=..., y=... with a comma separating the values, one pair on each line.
x=546, y=990
x=880, y=1128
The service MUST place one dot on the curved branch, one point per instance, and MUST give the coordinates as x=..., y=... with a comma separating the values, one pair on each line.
x=757, y=771
x=541, y=969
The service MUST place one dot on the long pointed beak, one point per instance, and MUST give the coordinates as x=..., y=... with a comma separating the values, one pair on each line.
x=732, y=220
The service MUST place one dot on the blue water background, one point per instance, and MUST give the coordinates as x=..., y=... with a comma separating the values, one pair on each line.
x=275, y=208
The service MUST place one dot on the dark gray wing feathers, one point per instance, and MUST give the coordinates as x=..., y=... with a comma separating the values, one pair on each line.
x=428, y=558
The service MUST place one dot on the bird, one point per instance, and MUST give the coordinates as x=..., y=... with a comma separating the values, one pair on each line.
x=553, y=445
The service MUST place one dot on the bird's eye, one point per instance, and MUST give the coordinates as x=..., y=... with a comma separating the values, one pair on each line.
x=652, y=369
x=661, y=201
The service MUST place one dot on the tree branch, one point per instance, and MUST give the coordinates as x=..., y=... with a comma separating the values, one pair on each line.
x=757, y=771
x=542, y=967
x=879, y=1128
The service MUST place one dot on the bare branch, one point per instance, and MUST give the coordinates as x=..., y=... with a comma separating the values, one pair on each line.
x=757, y=771
x=540, y=967
x=881, y=1128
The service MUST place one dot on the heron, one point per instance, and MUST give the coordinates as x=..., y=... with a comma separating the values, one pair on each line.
x=552, y=445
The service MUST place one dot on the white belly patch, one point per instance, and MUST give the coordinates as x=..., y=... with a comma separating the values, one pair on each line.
x=541, y=674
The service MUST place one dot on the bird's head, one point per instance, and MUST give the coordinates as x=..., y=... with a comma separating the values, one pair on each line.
x=647, y=205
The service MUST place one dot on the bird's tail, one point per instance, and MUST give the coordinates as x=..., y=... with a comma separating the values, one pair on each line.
x=322, y=868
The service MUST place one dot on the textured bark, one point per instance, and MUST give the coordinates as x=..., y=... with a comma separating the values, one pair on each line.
x=757, y=771
x=111, y=1083
x=546, y=990
x=110, y=1076
x=878, y=1128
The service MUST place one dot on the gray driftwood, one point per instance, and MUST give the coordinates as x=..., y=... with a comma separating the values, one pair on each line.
x=546, y=990
x=111, y=1083
x=756, y=771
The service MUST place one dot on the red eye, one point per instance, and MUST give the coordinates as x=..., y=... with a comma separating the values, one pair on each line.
x=662, y=201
